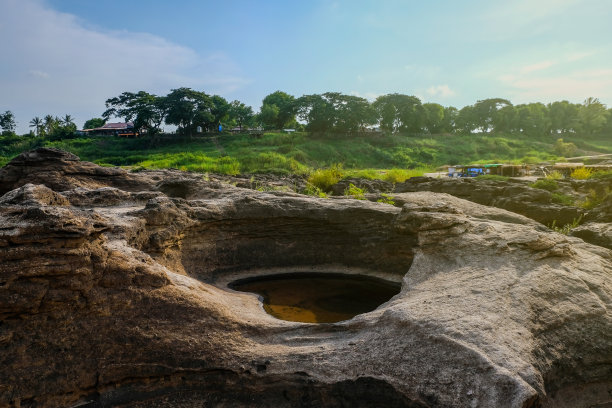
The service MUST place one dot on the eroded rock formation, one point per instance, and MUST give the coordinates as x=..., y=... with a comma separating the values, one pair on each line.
x=112, y=292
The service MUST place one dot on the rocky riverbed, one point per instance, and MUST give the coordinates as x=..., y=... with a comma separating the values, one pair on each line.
x=113, y=292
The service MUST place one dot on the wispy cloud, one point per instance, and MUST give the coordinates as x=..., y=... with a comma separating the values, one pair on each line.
x=505, y=20
x=38, y=74
x=370, y=96
x=576, y=86
x=441, y=91
x=87, y=66
x=539, y=66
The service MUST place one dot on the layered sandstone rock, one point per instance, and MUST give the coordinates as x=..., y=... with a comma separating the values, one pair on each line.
x=113, y=295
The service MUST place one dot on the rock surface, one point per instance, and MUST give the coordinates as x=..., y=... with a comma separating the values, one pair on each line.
x=112, y=293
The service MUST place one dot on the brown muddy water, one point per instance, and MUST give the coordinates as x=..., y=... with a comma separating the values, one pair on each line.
x=317, y=297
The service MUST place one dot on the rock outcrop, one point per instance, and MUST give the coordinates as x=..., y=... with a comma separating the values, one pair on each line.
x=113, y=293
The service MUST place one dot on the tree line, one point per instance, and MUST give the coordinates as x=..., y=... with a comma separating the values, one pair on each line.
x=189, y=110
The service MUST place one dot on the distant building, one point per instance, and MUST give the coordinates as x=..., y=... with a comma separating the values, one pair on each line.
x=124, y=129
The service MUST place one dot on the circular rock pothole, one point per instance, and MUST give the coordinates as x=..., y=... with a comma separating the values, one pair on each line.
x=318, y=297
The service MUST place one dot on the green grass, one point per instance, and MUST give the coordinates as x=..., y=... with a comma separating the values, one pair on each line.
x=563, y=199
x=387, y=157
x=546, y=184
x=493, y=177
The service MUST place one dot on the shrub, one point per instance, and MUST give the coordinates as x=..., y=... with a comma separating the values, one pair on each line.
x=493, y=177
x=567, y=228
x=581, y=173
x=563, y=199
x=602, y=174
x=554, y=175
x=355, y=192
x=386, y=199
x=565, y=149
x=325, y=178
x=400, y=175
x=369, y=174
x=545, y=184
x=314, y=191
x=593, y=199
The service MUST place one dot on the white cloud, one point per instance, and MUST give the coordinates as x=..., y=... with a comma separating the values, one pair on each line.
x=38, y=74
x=88, y=66
x=575, y=86
x=539, y=66
x=523, y=18
x=442, y=91
x=370, y=96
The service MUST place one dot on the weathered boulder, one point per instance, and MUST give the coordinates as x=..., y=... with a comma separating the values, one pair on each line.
x=118, y=298
x=61, y=171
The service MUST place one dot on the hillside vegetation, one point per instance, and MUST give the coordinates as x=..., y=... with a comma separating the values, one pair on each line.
x=301, y=153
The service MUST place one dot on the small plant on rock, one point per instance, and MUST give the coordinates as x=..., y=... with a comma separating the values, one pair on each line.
x=545, y=184
x=554, y=175
x=563, y=199
x=593, y=199
x=314, y=191
x=386, y=199
x=567, y=228
x=325, y=178
x=581, y=173
x=355, y=192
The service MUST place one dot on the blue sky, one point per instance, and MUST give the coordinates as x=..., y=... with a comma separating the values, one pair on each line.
x=69, y=56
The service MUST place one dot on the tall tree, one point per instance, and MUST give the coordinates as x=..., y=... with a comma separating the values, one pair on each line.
x=533, y=119
x=286, y=109
x=94, y=123
x=450, y=116
x=563, y=117
x=7, y=122
x=398, y=112
x=145, y=110
x=51, y=124
x=434, y=117
x=505, y=119
x=219, y=110
x=592, y=115
x=268, y=116
x=67, y=120
x=188, y=109
x=38, y=125
x=485, y=111
x=241, y=113
x=316, y=111
x=466, y=121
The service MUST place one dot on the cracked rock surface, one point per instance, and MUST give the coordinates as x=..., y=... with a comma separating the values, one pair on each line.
x=113, y=293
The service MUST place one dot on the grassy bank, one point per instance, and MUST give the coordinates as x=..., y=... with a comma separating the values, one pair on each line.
x=370, y=156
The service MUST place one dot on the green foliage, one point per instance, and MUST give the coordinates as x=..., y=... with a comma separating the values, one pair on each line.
x=565, y=149
x=354, y=192
x=593, y=199
x=325, y=178
x=554, y=175
x=314, y=191
x=493, y=177
x=401, y=175
x=94, y=123
x=271, y=162
x=7, y=122
x=581, y=173
x=561, y=198
x=240, y=113
x=602, y=174
x=545, y=184
x=567, y=228
x=386, y=199
x=592, y=116
x=278, y=110
x=197, y=162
